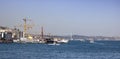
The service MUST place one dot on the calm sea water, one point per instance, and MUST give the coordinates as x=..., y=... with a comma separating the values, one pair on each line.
x=72, y=50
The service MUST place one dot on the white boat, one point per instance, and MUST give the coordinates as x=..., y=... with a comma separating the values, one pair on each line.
x=63, y=41
x=91, y=41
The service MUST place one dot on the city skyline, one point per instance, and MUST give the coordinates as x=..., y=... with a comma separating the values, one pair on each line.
x=64, y=17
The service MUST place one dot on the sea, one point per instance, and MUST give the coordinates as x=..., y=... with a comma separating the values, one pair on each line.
x=71, y=50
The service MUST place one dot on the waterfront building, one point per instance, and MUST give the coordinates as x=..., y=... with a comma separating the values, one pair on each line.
x=8, y=34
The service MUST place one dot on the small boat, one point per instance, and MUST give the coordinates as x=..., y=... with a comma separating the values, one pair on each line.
x=63, y=41
x=60, y=40
x=91, y=41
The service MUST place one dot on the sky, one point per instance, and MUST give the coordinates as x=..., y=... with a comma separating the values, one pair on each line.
x=64, y=17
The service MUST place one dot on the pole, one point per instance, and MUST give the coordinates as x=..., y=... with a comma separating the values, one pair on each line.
x=42, y=34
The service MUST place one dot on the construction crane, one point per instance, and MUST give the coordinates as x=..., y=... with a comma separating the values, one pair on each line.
x=25, y=27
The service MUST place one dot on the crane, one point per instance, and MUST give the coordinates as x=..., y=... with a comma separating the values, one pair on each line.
x=25, y=26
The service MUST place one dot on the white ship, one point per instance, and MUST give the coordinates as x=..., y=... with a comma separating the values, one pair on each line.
x=91, y=40
x=64, y=41
x=59, y=40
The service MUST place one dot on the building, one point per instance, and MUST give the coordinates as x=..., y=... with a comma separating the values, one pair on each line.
x=8, y=34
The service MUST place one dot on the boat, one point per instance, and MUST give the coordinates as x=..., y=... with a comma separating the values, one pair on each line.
x=63, y=41
x=91, y=41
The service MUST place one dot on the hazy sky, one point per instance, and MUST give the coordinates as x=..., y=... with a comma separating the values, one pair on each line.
x=64, y=17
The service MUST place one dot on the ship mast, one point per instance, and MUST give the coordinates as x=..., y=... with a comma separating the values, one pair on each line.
x=42, y=34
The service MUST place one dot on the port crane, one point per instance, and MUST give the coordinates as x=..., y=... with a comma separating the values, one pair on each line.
x=25, y=26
